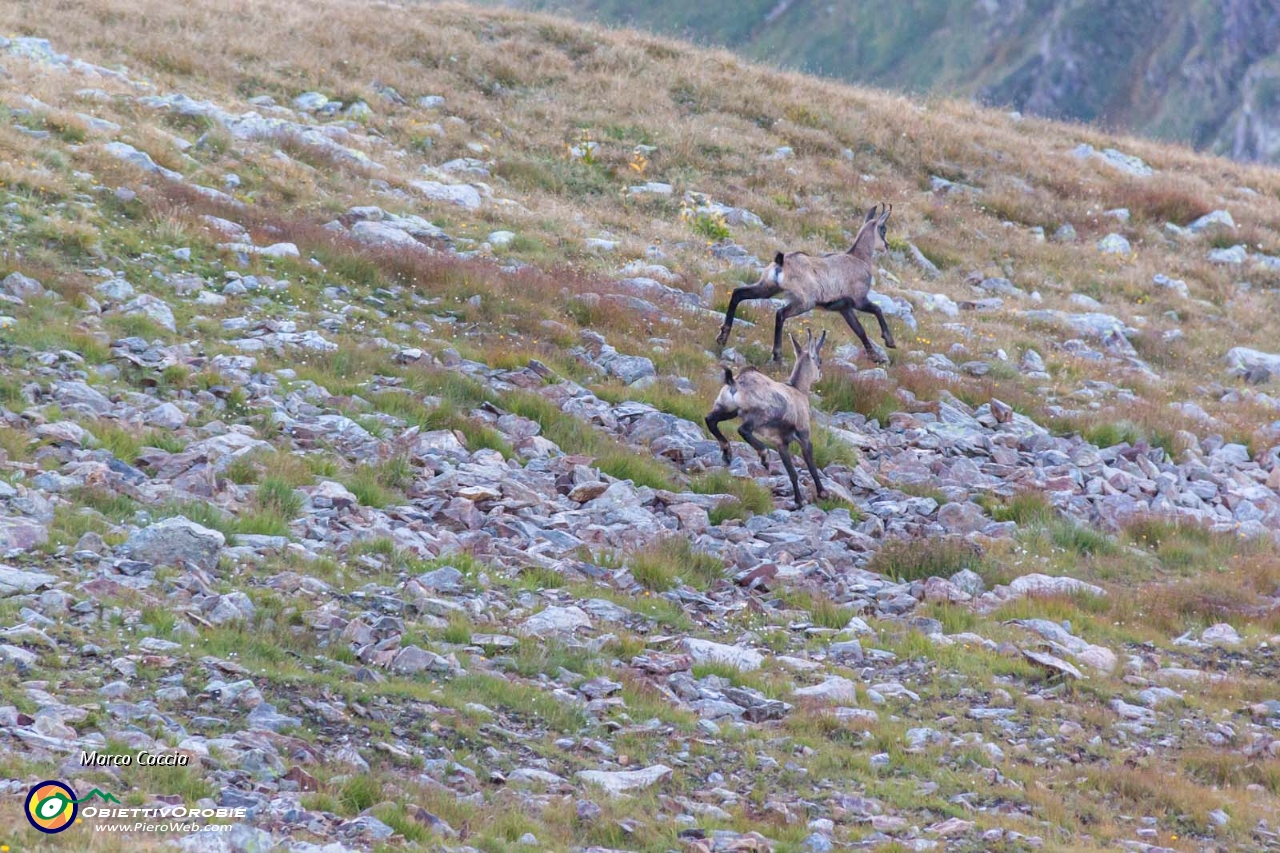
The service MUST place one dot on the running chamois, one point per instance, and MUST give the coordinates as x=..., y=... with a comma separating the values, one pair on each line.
x=776, y=412
x=840, y=282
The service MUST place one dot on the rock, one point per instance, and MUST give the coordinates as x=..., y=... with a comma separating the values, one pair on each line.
x=1114, y=244
x=962, y=517
x=384, y=235
x=651, y=188
x=836, y=689
x=1209, y=220
x=926, y=266
x=411, y=659
x=500, y=239
x=1234, y=256
x=1065, y=233
x=1176, y=285
x=1221, y=634
x=1098, y=658
x=535, y=778
x=310, y=101
x=705, y=651
x=142, y=160
x=17, y=285
x=328, y=494
x=1241, y=360
x=969, y=581
x=1132, y=712
x=1037, y=584
x=17, y=582
x=1052, y=663
x=166, y=416
x=620, y=782
x=556, y=620
x=935, y=303
x=154, y=309
x=1127, y=163
x=463, y=195
x=21, y=534
x=175, y=541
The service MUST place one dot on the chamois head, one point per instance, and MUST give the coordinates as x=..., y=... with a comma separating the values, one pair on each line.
x=878, y=220
x=772, y=276
x=808, y=367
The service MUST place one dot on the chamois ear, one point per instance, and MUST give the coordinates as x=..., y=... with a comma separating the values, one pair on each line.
x=778, y=259
x=871, y=214
x=795, y=345
x=884, y=217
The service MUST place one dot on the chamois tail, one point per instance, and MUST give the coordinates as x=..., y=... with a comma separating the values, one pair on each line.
x=729, y=380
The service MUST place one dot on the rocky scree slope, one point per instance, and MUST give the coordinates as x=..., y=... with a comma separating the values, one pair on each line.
x=369, y=476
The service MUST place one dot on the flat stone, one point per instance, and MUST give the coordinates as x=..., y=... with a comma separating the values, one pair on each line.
x=706, y=651
x=16, y=581
x=623, y=781
x=175, y=541
x=556, y=620
x=835, y=689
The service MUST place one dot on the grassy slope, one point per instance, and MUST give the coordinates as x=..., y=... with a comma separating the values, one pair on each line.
x=529, y=87
x=526, y=88
x=1126, y=57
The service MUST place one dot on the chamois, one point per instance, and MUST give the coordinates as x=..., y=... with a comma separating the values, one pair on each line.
x=840, y=281
x=776, y=411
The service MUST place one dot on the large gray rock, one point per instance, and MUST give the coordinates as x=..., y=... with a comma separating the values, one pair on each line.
x=623, y=781
x=154, y=309
x=706, y=651
x=1037, y=584
x=1114, y=244
x=16, y=581
x=384, y=235
x=836, y=689
x=18, y=285
x=1240, y=360
x=80, y=395
x=556, y=620
x=1127, y=163
x=21, y=534
x=463, y=195
x=1217, y=217
x=175, y=541
x=1234, y=256
x=141, y=159
x=962, y=517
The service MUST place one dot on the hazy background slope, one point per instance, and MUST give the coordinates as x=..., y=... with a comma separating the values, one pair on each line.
x=1204, y=73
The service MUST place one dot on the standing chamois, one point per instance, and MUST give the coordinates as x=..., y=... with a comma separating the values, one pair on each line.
x=840, y=281
x=775, y=411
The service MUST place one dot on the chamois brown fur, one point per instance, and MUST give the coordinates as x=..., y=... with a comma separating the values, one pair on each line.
x=839, y=281
x=773, y=412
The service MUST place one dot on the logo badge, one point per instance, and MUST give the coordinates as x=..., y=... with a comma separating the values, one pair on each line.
x=51, y=807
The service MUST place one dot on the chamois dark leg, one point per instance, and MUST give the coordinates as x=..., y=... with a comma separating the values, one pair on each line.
x=785, y=453
x=871, y=308
x=750, y=438
x=784, y=314
x=852, y=320
x=806, y=448
x=741, y=294
x=713, y=424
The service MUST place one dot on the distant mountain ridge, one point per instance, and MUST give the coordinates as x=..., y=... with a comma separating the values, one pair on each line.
x=1203, y=72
